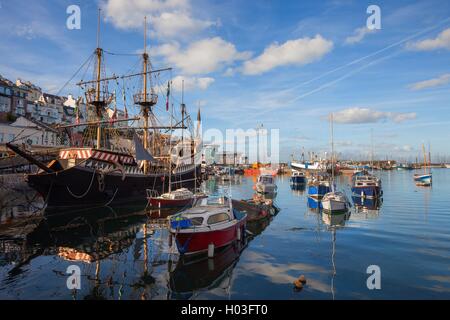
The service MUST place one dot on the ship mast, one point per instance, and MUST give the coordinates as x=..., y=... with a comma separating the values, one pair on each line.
x=94, y=95
x=145, y=100
x=99, y=64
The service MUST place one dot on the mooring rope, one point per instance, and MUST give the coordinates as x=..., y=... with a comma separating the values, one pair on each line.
x=87, y=191
x=112, y=199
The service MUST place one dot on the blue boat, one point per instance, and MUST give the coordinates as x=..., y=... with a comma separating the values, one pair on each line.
x=298, y=177
x=366, y=185
x=423, y=179
x=319, y=186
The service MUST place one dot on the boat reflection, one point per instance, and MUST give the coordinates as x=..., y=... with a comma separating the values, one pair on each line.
x=298, y=188
x=88, y=237
x=191, y=277
x=334, y=222
x=369, y=207
x=314, y=204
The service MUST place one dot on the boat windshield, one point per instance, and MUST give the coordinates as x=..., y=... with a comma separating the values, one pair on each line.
x=266, y=179
x=213, y=201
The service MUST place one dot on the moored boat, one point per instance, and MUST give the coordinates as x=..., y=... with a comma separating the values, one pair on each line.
x=366, y=185
x=212, y=223
x=423, y=179
x=266, y=184
x=306, y=165
x=298, y=177
x=179, y=198
x=426, y=178
x=318, y=186
x=335, y=202
x=404, y=166
x=255, y=210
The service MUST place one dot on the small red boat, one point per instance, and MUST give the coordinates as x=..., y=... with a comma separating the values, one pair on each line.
x=175, y=199
x=210, y=225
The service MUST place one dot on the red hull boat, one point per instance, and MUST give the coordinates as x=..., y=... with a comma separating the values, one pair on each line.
x=211, y=222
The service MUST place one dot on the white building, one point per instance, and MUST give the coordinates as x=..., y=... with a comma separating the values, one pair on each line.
x=29, y=132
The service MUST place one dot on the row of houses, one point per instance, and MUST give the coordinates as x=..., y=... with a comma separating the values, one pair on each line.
x=25, y=99
x=29, y=115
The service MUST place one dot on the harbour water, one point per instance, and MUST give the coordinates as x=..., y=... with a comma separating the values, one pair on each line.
x=124, y=253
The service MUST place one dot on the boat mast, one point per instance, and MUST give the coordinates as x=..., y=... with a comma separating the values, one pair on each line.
x=424, y=158
x=183, y=111
x=371, y=151
x=170, y=150
x=332, y=152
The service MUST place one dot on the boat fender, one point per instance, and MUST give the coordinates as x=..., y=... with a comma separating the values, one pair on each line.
x=211, y=250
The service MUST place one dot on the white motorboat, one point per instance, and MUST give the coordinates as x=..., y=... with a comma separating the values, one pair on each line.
x=266, y=184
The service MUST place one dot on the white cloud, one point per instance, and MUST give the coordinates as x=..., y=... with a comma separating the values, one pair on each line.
x=130, y=14
x=169, y=19
x=191, y=83
x=440, y=81
x=293, y=52
x=366, y=115
x=200, y=57
x=358, y=35
x=404, y=148
x=25, y=31
x=177, y=24
x=442, y=41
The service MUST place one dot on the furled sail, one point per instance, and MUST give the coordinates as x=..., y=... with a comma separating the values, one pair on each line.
x=141, y=153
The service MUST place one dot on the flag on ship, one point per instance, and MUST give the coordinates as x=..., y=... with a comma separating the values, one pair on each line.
x=167, y=98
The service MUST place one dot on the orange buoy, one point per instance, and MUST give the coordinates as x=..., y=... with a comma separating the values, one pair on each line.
x=302, y=279
x=298, y=284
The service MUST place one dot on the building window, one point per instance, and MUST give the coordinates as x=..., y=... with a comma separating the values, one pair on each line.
x=2, y=136
x=11, y=137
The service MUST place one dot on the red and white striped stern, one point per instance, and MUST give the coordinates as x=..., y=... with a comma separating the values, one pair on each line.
x=101, y=155
x=75, y=153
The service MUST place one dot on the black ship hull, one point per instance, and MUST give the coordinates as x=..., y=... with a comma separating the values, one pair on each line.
x=87, y=187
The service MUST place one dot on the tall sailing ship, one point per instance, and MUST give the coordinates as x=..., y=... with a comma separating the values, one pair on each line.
x=118, y=164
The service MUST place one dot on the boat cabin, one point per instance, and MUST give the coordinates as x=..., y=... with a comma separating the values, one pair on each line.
x=266, y=179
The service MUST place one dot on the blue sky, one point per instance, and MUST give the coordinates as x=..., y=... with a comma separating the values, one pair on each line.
x=286, y=64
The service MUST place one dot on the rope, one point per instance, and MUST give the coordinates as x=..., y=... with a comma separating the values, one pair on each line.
x=71, y=78
x=87, y=191
x=112, y=199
